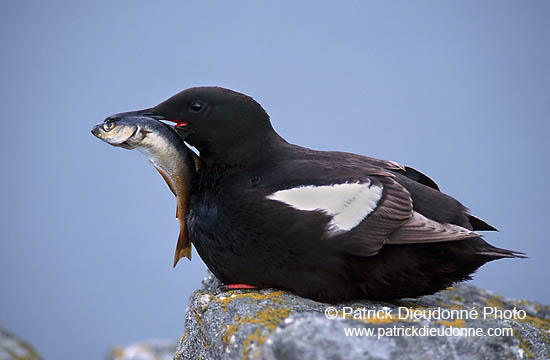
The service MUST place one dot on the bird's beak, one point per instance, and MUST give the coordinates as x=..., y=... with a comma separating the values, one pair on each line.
x=180, y=127
x=145, y=112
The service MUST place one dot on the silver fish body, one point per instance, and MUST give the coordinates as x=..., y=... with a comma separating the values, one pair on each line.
x=156, y=140
x=166, y=151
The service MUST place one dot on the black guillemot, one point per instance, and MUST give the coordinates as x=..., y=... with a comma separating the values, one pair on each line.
x=329, y=226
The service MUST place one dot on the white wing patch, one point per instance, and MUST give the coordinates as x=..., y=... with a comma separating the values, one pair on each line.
x=348, y=203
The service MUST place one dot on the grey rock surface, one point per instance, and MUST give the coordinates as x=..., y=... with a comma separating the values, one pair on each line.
x=153, y=349
x=274, y=324
x=12, y=347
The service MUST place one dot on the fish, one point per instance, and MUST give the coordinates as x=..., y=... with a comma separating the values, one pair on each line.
x=168, y=153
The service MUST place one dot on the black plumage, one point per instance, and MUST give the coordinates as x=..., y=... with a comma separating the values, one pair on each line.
x=414, y=241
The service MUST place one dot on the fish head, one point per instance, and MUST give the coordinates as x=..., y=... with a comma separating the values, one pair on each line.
x=124, y=132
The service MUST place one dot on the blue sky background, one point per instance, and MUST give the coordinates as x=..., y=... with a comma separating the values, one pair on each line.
x=457, y=89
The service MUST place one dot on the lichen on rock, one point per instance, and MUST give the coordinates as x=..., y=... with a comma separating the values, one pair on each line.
x=152, y=349
x=12, y=347
x=274, y=324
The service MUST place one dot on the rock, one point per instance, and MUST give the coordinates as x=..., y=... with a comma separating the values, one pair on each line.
x=274, y=324
x=154, y=349
x=12, y=347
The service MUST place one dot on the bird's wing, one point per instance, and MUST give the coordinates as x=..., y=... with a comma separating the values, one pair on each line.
x=393, y=166
x=425, y=192
x=417, y=176
x=366, y=206
x=394, y=221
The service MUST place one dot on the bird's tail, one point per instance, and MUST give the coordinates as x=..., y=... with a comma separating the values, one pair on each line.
x=498, y=253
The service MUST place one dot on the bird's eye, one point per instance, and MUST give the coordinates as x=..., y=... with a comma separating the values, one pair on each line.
x=109, y=125
x=197, y=106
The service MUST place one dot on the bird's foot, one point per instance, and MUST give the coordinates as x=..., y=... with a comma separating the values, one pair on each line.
x=237, y=287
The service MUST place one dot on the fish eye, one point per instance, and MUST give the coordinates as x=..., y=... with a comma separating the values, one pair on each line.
x=109, y=125
x=197, y=106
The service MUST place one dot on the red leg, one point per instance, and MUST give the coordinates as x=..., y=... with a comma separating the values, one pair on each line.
x=237, y=287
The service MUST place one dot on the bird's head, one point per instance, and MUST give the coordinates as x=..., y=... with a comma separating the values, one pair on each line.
x=217, y=121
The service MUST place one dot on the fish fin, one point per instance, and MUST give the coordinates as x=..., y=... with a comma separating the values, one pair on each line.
x=166, y=178
x=183, y=248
